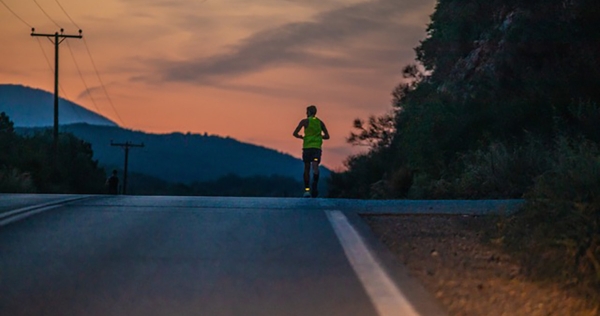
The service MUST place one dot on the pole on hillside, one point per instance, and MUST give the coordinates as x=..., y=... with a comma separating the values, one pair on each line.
x=126, y=145
x=58, y=38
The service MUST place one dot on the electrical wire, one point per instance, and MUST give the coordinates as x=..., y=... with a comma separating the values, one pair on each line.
x=72, y=55
x=48, y=16
x=15, y=14
x=68, y=16
x=45, y=56
x=87, y=89
x=91, y=59
x=102, y=83
x=74, y=109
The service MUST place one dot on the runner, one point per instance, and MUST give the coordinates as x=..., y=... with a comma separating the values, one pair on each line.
x=314, y=134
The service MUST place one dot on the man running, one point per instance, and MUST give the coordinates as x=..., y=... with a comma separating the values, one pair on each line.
x=314, y=134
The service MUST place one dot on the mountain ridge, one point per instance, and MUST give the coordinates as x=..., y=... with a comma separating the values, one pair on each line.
x=174, y=157
x=33, y=107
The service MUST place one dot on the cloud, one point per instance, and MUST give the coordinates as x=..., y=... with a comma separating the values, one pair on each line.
x=90, y=93
x=366, y=35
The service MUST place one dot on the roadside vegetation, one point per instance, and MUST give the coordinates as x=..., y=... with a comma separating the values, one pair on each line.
x=502, y=102
x=28, y=164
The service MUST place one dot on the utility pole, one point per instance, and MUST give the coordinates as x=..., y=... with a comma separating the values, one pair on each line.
x=58, y=38
x=126, y=145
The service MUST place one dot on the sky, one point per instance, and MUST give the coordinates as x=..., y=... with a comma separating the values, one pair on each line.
x=237, y=68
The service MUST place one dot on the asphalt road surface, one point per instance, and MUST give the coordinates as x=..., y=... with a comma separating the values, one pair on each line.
x=122, y=255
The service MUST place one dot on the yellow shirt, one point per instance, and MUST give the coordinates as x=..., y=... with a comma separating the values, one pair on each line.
x=313, y=133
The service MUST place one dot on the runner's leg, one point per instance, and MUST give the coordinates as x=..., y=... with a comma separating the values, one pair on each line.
x=306, y=175
x=315, y=183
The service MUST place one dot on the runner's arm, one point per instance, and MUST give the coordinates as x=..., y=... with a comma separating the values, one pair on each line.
x=298, y=128
x=325, y=132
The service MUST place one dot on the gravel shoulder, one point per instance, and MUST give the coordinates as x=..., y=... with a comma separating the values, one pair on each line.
x=470, y=277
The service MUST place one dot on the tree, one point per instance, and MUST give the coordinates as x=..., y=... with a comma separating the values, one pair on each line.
x=378, y=132
x=6, y=125
x=7, y=140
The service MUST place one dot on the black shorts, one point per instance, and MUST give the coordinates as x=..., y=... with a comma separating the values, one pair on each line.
x=311, y=154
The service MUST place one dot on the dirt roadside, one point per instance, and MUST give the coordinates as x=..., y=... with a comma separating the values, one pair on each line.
x=468, y=277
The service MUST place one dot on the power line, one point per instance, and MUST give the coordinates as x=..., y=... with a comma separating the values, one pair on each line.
x=95, y=69
x=127, y=145
x=68, y=16
x=50, y=66
x=87, y=49
x=45, y=56
x=75, y=109
x=16, y=15
x=58, y=38
x=48, y=16
x=102, y=83
x=74, y=60
x=82, y=79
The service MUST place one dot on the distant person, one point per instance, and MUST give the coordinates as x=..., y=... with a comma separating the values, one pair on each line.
x=314, y=134
x=113, y=183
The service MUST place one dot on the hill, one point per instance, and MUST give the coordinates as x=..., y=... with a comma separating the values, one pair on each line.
x=30, y=107
x=185, y=158
x=493, y=85
x=174, y=157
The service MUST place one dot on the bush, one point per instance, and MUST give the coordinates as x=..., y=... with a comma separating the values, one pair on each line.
x=364, y=170
x=30, y=164
x=500, y=171
x=424, y=187
x=557, y=232
x=13, y=181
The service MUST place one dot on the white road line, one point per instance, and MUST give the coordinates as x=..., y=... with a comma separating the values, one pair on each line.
x=18, y=214
x=27, y=214
x=383, y=292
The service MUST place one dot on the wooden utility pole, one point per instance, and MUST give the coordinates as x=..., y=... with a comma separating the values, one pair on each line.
x=58, y=38
x=126, y=145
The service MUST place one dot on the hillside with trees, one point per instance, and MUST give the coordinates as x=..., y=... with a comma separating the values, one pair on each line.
x=502, y=102
x=492, y=79
x=173, y=157
x=168, y=164
x=30, y=165
x=183, y=158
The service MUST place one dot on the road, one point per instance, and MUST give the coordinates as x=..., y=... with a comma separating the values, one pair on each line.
x=127, y=255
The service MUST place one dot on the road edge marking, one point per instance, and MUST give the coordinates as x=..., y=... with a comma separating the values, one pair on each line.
x=20, y=216
x=24, y=212
x=383, y=292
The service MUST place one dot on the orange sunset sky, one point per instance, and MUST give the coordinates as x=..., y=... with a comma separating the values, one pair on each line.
x=238, y=68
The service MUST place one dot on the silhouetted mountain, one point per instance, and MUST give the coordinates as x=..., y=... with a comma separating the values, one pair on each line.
x=29, y=107
x=175, y=157
x=185, y=158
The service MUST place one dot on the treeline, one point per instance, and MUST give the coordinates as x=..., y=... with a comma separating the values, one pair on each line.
x=178, y=157
x=502, y=102
x=28, y=164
